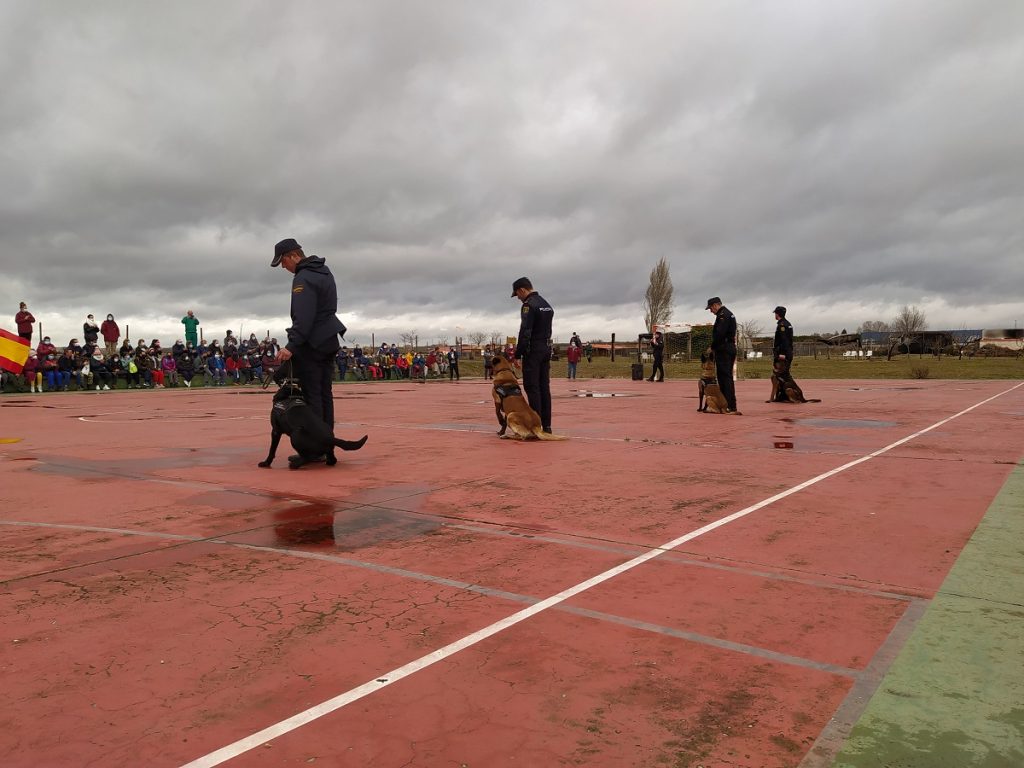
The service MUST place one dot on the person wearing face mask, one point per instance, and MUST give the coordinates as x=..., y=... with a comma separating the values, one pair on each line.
x=131, y=370
x=45, y=348
x=100, y=373
x=215, y=369
x=33, y=375
x=66, y=369
x=90, y=331
x=111, y=333
x=50, y=372
x=144, y=362
x=186, y=367
x=24, y=320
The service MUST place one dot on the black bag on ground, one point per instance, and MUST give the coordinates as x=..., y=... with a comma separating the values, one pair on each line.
x=638, y=371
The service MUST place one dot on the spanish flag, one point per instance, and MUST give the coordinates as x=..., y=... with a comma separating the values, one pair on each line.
x=13, y=351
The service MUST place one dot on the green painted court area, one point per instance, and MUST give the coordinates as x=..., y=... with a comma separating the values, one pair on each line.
x=955, y=695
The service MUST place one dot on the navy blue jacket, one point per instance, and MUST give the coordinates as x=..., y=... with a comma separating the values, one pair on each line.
x=535, y=326
x=783, y=339
x=315, y=323
x=723, y=335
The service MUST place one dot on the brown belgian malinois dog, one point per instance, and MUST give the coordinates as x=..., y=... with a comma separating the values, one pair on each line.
x=784, y=386
x=709, y=395
x=511, y=408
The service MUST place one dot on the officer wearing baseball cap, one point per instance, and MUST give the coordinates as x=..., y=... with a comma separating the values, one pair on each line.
x=782, y=347
x=534, y=348
x=313, y=338
x=723, y=343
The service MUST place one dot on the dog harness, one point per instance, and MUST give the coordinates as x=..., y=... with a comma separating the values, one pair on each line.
x=507, y=390
x=288, y=404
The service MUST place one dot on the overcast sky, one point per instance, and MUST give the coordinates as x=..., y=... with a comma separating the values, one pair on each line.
x=842, y=158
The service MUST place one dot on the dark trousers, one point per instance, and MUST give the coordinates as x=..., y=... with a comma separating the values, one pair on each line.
x=658, y=367
x=453, y=372
x=316, y=372
x=537, y=383
x=723, y=368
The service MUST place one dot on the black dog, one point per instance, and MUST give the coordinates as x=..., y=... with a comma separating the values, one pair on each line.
x=312, y=439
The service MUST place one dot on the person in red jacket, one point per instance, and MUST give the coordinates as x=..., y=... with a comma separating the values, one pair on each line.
x=573, y=354
x=111, y=333
x=24, y=322
x=234, y=367
x=45, y=348
x=33, y=376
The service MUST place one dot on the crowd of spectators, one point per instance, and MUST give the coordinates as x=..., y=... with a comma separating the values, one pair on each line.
x=103, y=362
x=389, y=362
x=144, y=365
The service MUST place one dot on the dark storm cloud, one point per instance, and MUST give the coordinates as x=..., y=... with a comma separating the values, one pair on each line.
x=842, y=158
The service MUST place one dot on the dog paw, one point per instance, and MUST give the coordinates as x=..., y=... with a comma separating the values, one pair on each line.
x=331, y=461
x=264, y=464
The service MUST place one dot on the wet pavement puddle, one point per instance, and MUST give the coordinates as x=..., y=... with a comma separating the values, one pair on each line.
x=843, y=423
x=346, y=530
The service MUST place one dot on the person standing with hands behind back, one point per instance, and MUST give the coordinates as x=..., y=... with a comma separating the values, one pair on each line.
x=723, y=344
x=782, y=348
x=313, y=336
x=534, y=348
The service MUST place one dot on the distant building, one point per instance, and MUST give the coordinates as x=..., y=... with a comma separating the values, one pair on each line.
x=1008, y=338
x=923, y=342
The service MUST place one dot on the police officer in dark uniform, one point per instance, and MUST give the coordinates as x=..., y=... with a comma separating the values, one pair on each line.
x=723, y=343
x=313, y=336
x=658, y=350
x=782, y=347
x=534, y=348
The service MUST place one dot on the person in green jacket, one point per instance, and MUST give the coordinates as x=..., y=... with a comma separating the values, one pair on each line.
x=191, y=323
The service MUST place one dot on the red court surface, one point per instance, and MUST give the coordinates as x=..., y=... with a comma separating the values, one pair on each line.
x=164, y=598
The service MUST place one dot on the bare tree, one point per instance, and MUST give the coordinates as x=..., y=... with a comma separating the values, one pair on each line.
x=878, y=326
x=748, y=331
x=442, y=340
x=657, y=302
x=477, y=337
x=497, y=339
x=408, y=338
x=963, y=343
x=908, y=323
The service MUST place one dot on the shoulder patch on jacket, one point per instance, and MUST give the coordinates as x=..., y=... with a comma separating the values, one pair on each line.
x=526, y=308
x=298, y=289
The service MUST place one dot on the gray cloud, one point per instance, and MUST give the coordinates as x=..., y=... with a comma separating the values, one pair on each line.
x=843, y=159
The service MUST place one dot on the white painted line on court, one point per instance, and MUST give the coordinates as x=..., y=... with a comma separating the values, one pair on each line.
x=387, y=678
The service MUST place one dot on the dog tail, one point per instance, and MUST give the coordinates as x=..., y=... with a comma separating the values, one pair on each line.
x=812, y=401
x=540, y=434
x=350, y=445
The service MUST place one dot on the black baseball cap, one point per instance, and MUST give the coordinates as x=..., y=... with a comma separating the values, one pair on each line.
x=780, y=311
x=522, y=282
x=287, y=245
x=713, y=300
